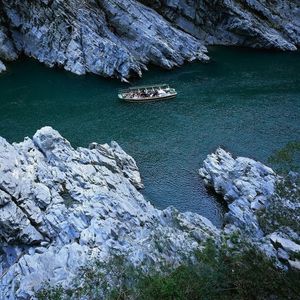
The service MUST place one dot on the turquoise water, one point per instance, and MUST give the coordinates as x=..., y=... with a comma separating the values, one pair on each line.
x=244, y=100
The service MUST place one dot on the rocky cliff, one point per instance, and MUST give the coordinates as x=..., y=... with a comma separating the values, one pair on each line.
x=119, y=38
x=61, y=208
x=262, y=206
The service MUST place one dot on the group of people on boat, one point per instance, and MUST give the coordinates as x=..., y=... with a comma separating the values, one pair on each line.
x=146, y=93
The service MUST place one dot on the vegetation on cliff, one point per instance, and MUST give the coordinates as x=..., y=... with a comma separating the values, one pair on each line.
x=238, y=272
x=284, y=207
x=233, y=269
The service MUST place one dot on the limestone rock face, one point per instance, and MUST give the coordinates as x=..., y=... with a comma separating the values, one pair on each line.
x=62, y=207
x=111, y=38
x=250, y=23
x=118, y=38
x=245, y=184
x=7, y=49
x=249, y=187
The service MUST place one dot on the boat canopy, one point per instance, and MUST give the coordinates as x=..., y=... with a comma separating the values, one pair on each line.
x=145, y=87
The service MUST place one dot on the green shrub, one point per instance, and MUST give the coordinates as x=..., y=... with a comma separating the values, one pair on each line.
x=51, y=293
x=214, y=273
x=238, y=273
x=287, y=158
x=283, y=209
x=220, y=274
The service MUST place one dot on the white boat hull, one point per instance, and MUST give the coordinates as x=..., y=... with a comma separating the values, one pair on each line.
x=147, y=99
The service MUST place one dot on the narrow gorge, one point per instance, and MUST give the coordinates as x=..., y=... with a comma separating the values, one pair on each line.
x=196, y=197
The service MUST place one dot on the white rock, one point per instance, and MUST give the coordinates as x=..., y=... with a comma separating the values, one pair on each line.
x=245, y=184
x=68, y=206
x=285, y=243
x=295, y=264
x=120, y=37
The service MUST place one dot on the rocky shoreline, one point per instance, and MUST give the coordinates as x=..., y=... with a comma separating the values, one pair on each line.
x=120, y=38
x=249, y=188
x=61, y=208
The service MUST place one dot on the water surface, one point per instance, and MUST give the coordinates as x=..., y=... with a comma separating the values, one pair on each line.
x=244, y=100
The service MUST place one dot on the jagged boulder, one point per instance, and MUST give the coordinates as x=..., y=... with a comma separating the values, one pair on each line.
x=245, y=184
x=249, y=187
x=62, y=207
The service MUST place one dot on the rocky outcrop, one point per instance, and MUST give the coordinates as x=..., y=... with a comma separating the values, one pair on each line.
x=245, y=184
x=62, y=207
x=249, y=187
x=250, y=23
x=7, y=49
x=111, y=38
x=119, y=38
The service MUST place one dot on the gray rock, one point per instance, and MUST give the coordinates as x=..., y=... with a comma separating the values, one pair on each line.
x=288, y=245
x=119, y=38
x=282, y=254
x=7, y=48
x=251, y=23
x=295, y=264
x=248, y=186
x=111, y=38
x=61, y=207
x=122, y=160
x=245, y=184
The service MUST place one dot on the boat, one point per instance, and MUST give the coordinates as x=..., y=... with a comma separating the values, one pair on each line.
x=147, y=93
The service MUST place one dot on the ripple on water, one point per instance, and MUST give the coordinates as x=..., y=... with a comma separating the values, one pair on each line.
x=244, y=100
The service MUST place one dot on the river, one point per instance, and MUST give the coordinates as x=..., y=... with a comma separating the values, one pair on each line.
x=247, y=101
